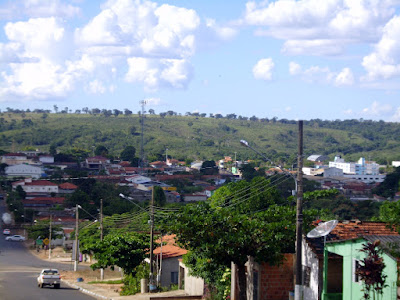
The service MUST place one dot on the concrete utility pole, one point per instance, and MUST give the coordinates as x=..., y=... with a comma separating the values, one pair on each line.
x=101, y=234
x=76, y=254
x=298, y=292
x=50, y=239
x=151, y=279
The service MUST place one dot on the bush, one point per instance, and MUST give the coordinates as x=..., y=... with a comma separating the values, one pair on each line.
x=132, y=283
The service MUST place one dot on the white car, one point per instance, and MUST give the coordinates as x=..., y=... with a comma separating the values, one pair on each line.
x=49, y=277
x=6, y=232
x=16, y=238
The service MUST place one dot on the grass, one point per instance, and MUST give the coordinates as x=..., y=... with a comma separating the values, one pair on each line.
x=119, y=281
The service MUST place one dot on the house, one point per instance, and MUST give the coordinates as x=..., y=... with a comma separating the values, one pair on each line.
x=168, y=256
x=349, y=235
x=14, y=159
x=46, y=159
x=97, y=163
x=36, y=186
x=24, y=170
x=43, y=203
x=67, y=188
x=351, y=255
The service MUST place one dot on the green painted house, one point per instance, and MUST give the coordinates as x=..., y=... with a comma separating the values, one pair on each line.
x=346, y=255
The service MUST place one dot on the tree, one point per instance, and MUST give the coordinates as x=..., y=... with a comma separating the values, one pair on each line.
x=159, y=196
x=128, y=154
x=241, y=220
x=371, y=269
x=127, y=251
x=53, y=149
x=209, y=168
x=151, y=111
x=101, y=150
x=42, y=229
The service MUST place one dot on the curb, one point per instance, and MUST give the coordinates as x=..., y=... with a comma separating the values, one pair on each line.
x=86, y=291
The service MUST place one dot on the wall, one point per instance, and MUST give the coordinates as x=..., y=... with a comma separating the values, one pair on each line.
x=310, y=259
x=350, y=250
x=277, y=281
x=193, y=285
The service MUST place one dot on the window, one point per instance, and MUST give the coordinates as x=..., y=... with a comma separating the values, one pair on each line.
x=356, y=265
x=174, y=277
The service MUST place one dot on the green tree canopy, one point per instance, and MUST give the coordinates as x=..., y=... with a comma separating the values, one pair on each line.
x=127, y=251
x=209, y=168
x=241, y=220
x=128, y=154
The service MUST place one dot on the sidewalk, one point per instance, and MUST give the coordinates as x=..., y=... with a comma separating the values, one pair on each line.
x=98, y=291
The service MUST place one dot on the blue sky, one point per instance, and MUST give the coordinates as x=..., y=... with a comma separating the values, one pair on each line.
x=306, y=59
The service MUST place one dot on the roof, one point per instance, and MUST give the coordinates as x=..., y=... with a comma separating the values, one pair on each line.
x=41, y=182
x=68, y=186
x=170, y=249
x=14, y=154
x=317, y=157
x=348, y=230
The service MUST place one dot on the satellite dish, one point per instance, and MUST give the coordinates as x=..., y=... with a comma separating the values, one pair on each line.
x=323, y=229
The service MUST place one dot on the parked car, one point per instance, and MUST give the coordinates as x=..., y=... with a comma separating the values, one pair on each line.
x=49, y=277
x=15, y=238
x=6, y=231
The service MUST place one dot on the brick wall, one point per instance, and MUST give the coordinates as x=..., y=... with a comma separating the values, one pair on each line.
x=277, y=281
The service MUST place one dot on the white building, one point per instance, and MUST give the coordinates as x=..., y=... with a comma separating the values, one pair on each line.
x=37, y=186
x=24, y=170
x=361, y=167
x=46, y=159
x=396, y=163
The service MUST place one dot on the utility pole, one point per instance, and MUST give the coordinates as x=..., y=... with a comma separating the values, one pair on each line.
x=50, y=239
x=101, y=234
x=299, y=218
x=151, y=279
x=76, y=254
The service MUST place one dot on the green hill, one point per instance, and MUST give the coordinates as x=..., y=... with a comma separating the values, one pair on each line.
x=196, y=137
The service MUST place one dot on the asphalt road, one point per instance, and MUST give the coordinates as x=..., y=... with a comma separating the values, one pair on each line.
x=19, y=270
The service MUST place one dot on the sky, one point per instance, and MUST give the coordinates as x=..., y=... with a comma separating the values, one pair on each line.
x=305, y=59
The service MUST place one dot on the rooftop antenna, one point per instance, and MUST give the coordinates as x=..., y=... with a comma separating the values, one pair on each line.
x=322, y=230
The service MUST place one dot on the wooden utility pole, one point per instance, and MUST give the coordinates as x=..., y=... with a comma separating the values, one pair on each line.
x=101, y=234
x=50, y=239
x=151, y=279
x=76, y=254
x=299, y=218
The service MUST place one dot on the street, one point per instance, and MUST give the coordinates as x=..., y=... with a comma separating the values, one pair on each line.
x=19, y=270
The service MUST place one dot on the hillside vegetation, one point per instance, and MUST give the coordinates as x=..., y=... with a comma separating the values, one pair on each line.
x=195, y=137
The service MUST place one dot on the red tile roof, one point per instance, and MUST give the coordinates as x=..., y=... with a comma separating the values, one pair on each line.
x=170, y=249
x=68, y=186
x=353, y=229
x=41, y=182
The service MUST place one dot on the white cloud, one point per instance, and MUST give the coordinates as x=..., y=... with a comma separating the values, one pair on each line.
x=324, y=75
x=153, y=101
x=316, y=27
x=263, y=69
x=294, y=68
x=316, y=47
x=153, y=44
x=14, y=9
x=377, y=109
x=96, y=87
x=384, y=62
x=345, y=77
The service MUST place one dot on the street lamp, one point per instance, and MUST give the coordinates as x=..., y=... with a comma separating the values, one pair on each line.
x=298, y=292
